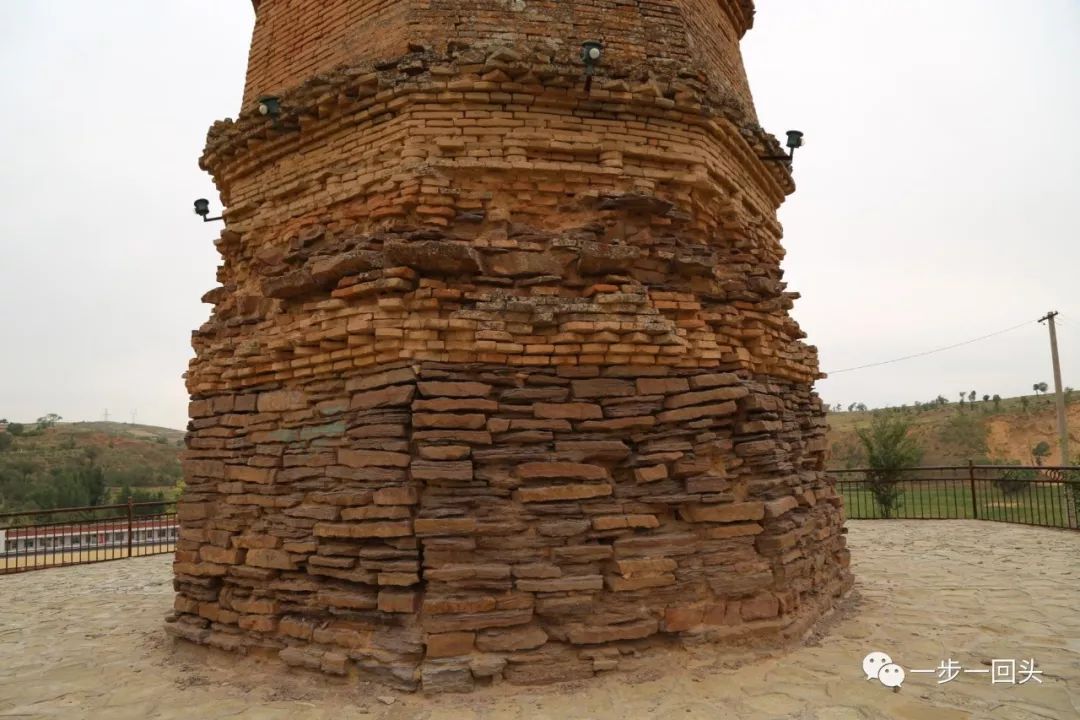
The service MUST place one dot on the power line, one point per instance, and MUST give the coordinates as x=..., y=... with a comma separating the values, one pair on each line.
x=1072, y=330
x=1068, y=324
x=931, y=352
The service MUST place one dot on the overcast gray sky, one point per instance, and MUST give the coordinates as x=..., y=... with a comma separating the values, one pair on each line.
x=937, y=193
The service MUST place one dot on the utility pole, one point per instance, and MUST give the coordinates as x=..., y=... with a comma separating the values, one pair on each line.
x=1063, y=429
x=106, y=414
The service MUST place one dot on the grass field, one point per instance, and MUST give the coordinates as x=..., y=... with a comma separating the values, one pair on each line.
x=1042, y=504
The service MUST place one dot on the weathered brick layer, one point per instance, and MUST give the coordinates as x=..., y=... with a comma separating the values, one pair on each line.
x=500, y=381
x=295, y=40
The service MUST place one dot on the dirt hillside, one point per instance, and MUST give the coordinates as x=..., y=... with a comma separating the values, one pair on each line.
x=980, y=431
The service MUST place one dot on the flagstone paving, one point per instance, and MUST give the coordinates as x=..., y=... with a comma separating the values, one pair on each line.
x=87, y=642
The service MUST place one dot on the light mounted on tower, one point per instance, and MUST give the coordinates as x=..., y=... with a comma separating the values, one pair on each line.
x=794, y=140
x=591, y=53
x=202, y=209
x=270, y=106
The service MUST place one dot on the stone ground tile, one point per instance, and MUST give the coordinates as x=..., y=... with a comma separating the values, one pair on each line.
x=87, y=642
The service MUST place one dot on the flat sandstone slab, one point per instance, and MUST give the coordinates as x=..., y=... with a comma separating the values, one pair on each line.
x=87, y=642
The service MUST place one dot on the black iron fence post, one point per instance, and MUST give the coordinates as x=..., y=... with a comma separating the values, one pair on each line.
x=971, y=483
x=130, y=517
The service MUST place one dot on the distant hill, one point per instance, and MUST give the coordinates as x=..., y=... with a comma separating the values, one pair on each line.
x=952, y=434
x=87, y=463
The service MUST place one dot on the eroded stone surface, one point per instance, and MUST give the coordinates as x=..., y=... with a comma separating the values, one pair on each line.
x=501, y=375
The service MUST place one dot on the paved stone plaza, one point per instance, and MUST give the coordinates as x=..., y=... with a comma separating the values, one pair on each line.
x=87, y=642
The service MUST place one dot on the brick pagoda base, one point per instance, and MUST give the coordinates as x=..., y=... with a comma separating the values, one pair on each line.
x=500, y=380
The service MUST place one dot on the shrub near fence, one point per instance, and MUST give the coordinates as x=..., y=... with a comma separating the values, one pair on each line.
x=1026, y=494
x=33, y=540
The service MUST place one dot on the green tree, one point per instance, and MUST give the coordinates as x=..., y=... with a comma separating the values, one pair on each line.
x=16, y=429
x=124, y=495
x=92, y=478
x=890, y=449
x=6, y=441
x=1040, y=452
x=60, y=488
x=1013, y=481
x=997, y=402
x=47, y=421
x=138, y=496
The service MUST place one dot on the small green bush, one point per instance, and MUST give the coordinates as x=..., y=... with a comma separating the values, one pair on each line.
x=889, y=451
x=1014, y=481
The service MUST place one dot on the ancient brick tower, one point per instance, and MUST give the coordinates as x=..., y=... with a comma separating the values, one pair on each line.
x=500, y=380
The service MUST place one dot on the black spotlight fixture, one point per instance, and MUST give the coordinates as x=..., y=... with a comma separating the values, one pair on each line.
x=270, y=106
x=794, y=140
x=202, y=209
x=591, y=52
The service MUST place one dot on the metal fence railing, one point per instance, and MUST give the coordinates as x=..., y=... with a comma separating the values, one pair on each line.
x=1026, y=494
x=38, y=539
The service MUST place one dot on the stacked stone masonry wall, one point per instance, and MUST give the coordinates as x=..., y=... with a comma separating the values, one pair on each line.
x=500, y=381
x=444, y=523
